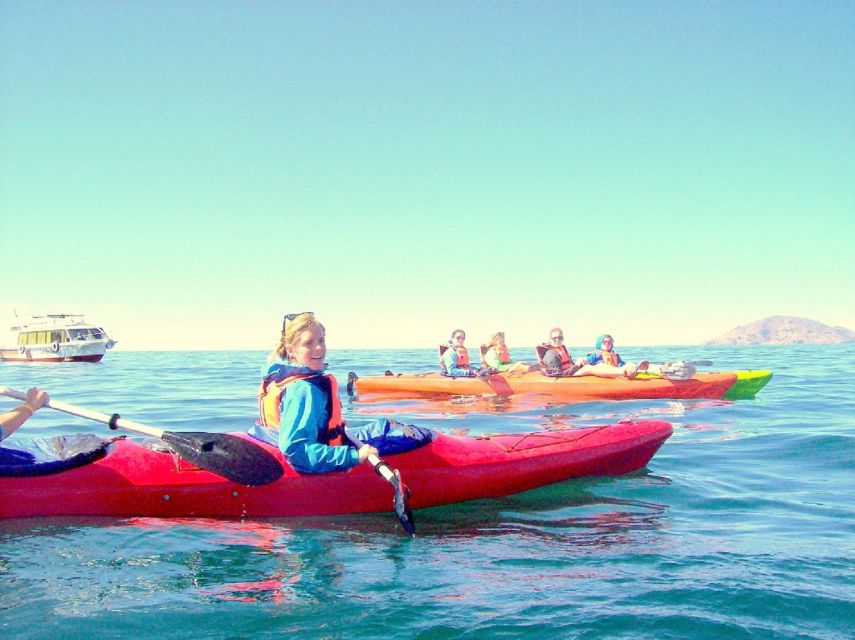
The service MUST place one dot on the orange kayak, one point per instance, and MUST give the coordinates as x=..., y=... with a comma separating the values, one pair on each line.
x=701, y=385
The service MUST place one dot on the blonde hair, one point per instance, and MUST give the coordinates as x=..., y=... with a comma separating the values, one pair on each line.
x=292, y=332
x=494, y=339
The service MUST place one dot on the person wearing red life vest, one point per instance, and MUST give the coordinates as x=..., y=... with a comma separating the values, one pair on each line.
x=556, y=358
x=301, y=403
x=455, y=360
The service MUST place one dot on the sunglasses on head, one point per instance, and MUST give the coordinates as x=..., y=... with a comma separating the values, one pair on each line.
x=289, y=317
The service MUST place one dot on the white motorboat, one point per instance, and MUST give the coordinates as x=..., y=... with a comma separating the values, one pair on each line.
x=58, y=337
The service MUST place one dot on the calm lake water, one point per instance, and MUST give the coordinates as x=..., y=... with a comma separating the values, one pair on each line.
x=742, y=526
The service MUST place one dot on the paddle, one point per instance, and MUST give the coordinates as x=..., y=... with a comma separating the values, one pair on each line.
x=393, y=477
x=678, y=370
x=226, y=455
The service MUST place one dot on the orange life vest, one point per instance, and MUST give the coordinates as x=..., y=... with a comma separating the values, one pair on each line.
x=270, y=394
x=609, y=357
x=566, y=360
x=462, y=357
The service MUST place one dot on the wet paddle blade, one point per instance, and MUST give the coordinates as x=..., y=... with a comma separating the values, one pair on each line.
x=402, y=508
x=227, y=455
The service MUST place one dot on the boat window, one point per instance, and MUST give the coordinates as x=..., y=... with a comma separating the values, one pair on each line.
x=56, y=336
x=44, y=337
x=77, y=334
x=97, y=333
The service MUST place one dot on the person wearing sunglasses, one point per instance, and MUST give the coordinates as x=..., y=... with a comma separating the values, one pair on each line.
x=454, y=357
x=605, y=355
x=558, y=362
x=298, y=404
x=555, y=357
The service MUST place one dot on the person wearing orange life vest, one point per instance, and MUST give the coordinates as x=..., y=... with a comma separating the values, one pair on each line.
x=498, y=356
x=455, y=359
x=556, y=358
x=605, y=354
x=557, y=362
x=301, y=402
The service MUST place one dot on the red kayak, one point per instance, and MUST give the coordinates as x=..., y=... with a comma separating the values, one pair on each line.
x=133, y=480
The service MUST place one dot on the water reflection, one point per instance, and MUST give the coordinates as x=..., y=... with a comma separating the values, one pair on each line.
x=97, y=564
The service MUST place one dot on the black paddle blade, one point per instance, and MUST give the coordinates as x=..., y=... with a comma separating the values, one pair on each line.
x=351, y=380
x=226, y=455
x=402, y=509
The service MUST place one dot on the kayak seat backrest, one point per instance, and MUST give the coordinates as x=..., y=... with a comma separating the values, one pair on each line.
x=484, y=349
x=540, y=351
x=442, y=349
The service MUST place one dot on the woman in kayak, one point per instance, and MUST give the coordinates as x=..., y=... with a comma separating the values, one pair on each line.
x=454, y=361
x=498, y=356
x=299, y=407
x=604, y=354
x=12, y=420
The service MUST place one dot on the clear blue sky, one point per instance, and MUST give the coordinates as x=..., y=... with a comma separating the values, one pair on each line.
x=186, y=172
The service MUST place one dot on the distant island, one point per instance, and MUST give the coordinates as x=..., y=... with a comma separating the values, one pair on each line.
x=785, y=330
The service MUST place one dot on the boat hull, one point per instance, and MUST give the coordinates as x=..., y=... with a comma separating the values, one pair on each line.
x=578, y=389
x=748, y=384
x=11, y=355
x=132, y=480
x=59, y=337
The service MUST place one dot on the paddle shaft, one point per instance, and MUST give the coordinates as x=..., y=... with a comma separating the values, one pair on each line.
x=113, y=421
x=401, y=495
x=380, y=466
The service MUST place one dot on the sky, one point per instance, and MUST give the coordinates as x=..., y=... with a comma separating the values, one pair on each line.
x=185, y=173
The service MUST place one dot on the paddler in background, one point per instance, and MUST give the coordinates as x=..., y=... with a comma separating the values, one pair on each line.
x=12, y=420
x=498, y=357
x=454, y=359
x=555, y=358
x=604, y=354
x=602, y=363
x=299, y=407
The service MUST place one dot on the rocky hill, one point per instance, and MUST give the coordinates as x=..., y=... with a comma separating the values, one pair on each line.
x=785, y=330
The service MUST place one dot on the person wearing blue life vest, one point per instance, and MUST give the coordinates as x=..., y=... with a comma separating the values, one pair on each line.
x=299, y=407
x=12, y=420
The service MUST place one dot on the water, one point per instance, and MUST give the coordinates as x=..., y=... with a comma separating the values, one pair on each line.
x=742, y=526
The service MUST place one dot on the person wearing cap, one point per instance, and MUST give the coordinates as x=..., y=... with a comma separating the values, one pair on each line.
x=605, y=355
